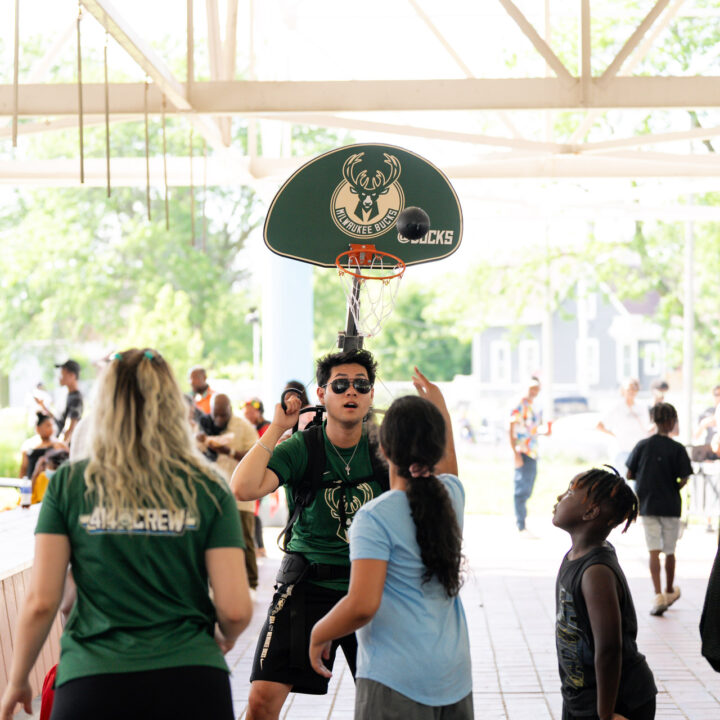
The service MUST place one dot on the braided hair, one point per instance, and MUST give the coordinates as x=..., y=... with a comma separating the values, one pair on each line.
x=664, y=415
x=610, y=488
x=412, y=437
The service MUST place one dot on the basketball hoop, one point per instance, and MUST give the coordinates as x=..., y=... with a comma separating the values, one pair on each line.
x=371, y=279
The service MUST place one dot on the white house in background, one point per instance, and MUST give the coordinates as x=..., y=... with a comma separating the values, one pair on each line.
x=598, y=340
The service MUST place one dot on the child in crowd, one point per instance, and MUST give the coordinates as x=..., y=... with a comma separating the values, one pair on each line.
x=661, y=468
x=405, y=548
x=601, y=671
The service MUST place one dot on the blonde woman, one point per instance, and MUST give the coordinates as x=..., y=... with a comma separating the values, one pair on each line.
x=147, y=524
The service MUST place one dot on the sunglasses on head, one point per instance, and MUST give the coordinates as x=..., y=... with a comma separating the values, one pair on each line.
x=253, y=403
x=340, y=385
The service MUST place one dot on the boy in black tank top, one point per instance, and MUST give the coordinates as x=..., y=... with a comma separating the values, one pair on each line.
x=601, y=671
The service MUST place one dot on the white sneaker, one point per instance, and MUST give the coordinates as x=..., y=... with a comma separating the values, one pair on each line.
x=660, y=605
x=670, y=598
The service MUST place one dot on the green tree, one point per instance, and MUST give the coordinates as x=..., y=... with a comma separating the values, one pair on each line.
x=415, y=334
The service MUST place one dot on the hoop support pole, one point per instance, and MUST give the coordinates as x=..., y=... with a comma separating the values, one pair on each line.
x=350, y=340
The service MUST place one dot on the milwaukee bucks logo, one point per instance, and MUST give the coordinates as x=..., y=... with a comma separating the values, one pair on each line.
x=367, y=203
x=336, y=495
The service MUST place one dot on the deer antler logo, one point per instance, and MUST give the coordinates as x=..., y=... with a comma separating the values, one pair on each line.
x=368, y=190
x=367, y=202
x=336, y=494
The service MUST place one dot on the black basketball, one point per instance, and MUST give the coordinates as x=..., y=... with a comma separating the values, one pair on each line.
x=413, y=223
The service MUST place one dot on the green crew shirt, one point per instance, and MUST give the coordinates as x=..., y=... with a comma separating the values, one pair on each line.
x=142, y=584
x=318, y=532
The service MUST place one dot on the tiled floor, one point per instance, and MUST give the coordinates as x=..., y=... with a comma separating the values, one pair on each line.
x=509, y=601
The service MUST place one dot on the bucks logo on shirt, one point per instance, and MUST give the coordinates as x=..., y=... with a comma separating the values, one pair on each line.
x=320, y=533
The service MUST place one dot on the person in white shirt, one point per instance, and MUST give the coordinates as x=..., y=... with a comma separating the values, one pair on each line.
x=627, y=422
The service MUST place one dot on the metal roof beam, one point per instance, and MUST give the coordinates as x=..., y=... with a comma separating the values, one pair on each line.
x=632, y=42
x=151, y=63
x=248, y=98
x=540, y=45
x=638, y=56
x=247, y=171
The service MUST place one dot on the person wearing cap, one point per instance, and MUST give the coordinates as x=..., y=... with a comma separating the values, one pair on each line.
x=254, y=410
x=69, y=374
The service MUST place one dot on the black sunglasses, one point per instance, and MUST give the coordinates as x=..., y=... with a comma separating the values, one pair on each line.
x=340, y=385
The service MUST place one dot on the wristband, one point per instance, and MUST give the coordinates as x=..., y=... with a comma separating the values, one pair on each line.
x=263, y=446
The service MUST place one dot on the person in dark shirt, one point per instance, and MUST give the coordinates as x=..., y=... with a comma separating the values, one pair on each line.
x=661, y=468
x=602, y=673
x=69, y=376
x=710, y=619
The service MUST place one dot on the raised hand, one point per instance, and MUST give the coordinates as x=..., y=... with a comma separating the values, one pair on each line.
x=287, y=418
x=428, y=390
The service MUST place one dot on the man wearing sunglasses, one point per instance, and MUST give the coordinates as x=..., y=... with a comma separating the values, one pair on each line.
x=315, y=572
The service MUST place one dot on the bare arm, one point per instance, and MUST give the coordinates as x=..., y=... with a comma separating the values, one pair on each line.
x=23, y=465
x=702, y=428
x=431, y=392
x=231, y=593
x=40, y=605
x=599, y=588
x=67, y=435
x=357, y=608
x=252, y=479
x=602, y=428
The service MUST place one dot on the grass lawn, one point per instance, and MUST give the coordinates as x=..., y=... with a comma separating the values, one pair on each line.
x=488, y=477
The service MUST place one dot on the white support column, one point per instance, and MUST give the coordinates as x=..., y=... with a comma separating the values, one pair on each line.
x=287, y=324
x=548, y=354
x=686, y=419
x=287, y=316
x=581, y=352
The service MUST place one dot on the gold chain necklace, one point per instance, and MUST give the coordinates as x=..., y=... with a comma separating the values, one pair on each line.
x=346, y=464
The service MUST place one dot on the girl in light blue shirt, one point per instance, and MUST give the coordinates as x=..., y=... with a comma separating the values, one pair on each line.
x=405, y=548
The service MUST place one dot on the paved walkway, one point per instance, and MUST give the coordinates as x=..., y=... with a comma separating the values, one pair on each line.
x=509, y=601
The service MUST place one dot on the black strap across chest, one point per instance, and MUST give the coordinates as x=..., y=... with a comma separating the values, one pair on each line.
x=310, y=483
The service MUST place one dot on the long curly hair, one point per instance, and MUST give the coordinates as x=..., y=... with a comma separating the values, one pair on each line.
x=143, y=454
x=413, y=434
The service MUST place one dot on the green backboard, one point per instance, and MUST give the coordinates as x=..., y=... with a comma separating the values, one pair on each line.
x=354, y=195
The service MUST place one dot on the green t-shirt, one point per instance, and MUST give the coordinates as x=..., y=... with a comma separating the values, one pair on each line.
x=318, y=533
x=142, y=585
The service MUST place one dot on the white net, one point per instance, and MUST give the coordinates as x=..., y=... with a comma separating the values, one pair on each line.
x=371, y=299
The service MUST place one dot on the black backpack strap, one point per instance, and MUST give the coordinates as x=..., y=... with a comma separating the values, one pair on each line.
x=309, y=484
x=311, y=480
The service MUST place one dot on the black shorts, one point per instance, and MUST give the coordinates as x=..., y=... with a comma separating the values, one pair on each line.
x=284, y=643
x=180, y=693
x=646, y=711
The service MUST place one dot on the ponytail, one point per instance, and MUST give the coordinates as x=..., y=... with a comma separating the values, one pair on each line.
x=437, y=531
x=413, y=439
